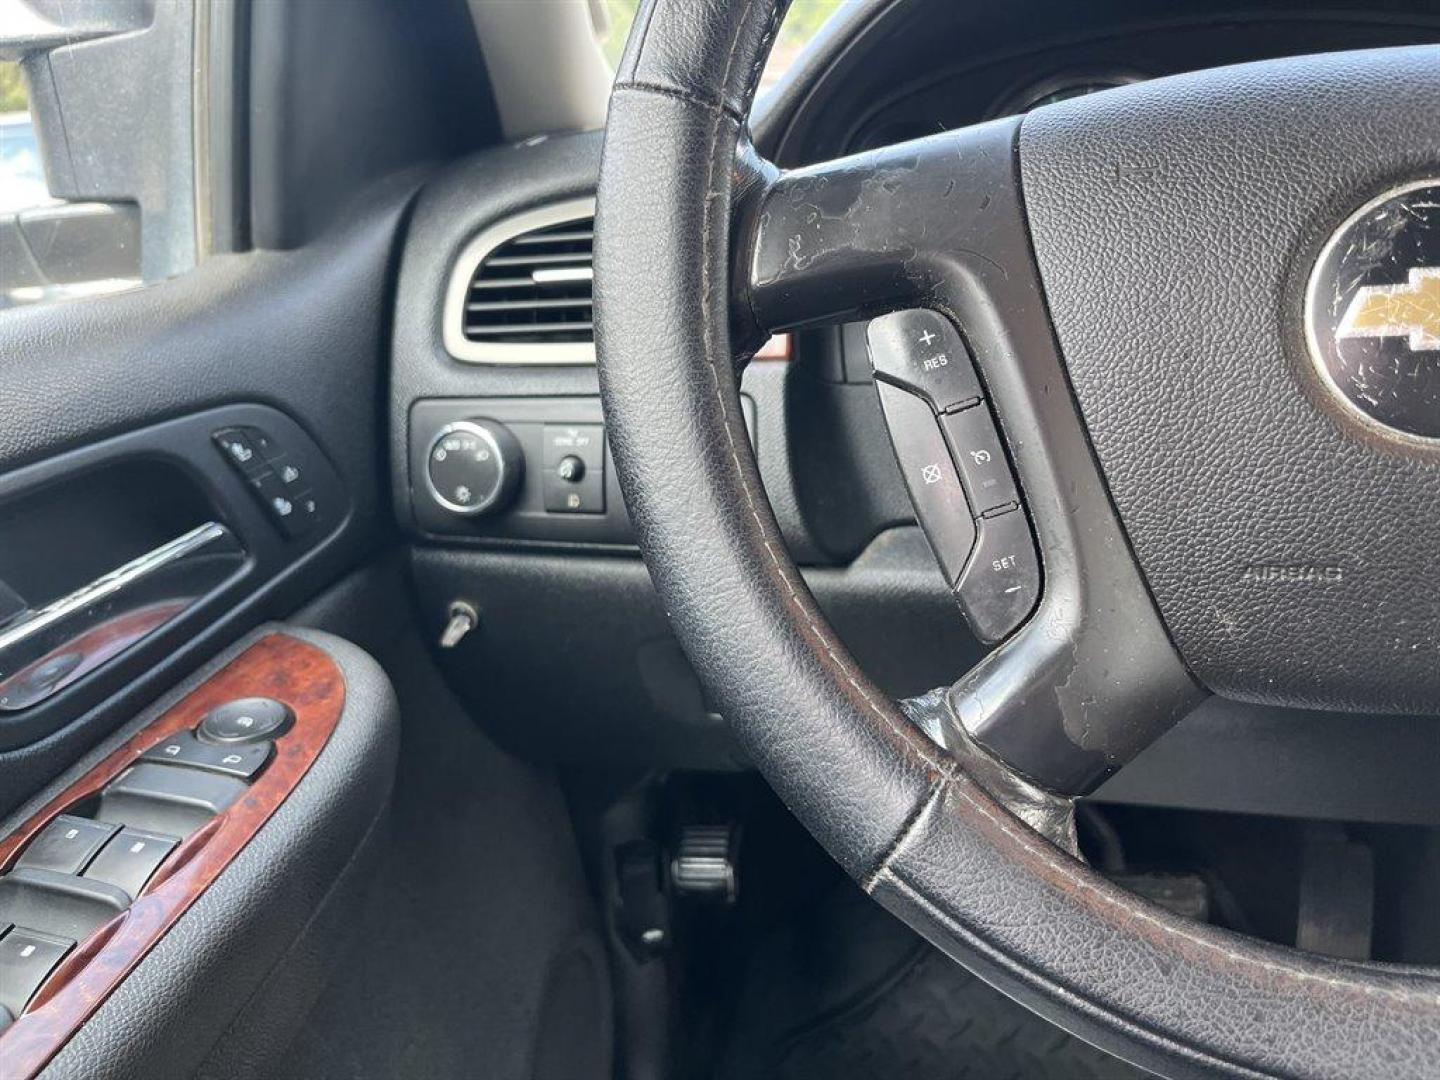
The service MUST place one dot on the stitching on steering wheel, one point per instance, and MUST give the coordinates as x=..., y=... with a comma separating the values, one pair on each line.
x=955, y=928
x=681, y=95
x=907, y=827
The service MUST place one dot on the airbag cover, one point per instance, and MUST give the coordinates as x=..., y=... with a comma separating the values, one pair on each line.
x=1293, y=549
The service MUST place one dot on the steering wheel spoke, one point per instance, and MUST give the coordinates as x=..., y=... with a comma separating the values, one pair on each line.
x=930, y=236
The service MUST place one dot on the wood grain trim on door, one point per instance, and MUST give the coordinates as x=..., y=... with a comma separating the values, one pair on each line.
x=302, y=676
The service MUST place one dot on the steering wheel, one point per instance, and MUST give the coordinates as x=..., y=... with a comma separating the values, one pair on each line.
x=1229, y=476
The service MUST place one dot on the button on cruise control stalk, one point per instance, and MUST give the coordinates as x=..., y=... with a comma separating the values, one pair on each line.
x=1000, y=586
x=930, y=476
x=955, y=468
x=921, y=351
x=989, y=483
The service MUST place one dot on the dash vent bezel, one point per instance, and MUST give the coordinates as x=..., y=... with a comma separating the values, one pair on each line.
x=469, y=261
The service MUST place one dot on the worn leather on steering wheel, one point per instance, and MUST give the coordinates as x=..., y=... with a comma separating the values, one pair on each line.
x=892, y=807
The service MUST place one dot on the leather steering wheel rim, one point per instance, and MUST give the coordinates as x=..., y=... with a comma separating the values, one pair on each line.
x=897, y=810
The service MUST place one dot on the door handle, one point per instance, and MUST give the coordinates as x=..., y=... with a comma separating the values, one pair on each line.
x=45, y=649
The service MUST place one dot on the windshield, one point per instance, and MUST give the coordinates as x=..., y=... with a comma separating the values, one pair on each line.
x=802, y=22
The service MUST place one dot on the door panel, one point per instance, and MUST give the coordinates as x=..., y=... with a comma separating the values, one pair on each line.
x=181, y=463
x=123, y=549
x=149, y=376
x=107, y=455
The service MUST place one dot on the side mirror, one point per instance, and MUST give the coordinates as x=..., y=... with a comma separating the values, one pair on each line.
x=33, y=26
x=110, y=93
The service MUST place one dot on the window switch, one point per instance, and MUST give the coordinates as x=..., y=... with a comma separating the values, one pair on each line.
x=167, y=798
x=130, y=858
x=60, y=904
x=66, y=845
x=27, y=958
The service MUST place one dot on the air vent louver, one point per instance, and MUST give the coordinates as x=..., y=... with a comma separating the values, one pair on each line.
x=534, y=288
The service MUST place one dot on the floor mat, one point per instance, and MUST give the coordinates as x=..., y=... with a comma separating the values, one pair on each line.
x=919, y=1015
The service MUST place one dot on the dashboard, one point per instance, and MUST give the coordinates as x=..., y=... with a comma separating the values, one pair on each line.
x=917, y=66
x=492, y=361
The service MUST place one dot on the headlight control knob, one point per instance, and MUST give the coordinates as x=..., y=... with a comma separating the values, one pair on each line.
x=474, y=466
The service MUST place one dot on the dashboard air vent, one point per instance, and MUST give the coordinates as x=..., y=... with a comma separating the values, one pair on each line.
x=520, y=291
x=535, y=287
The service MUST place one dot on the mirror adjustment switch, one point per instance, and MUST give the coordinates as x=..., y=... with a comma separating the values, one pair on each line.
x=243, y=760
x=66, y=845
x=930, y=477
x=245, y=720
x=1002, y=581
x=130, y=858
x=975, y=444
x=922, y=351
x=27, y=958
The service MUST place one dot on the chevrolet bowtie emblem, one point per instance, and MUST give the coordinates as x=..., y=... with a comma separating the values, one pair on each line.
x=1411, y=311
x=1372, y=313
